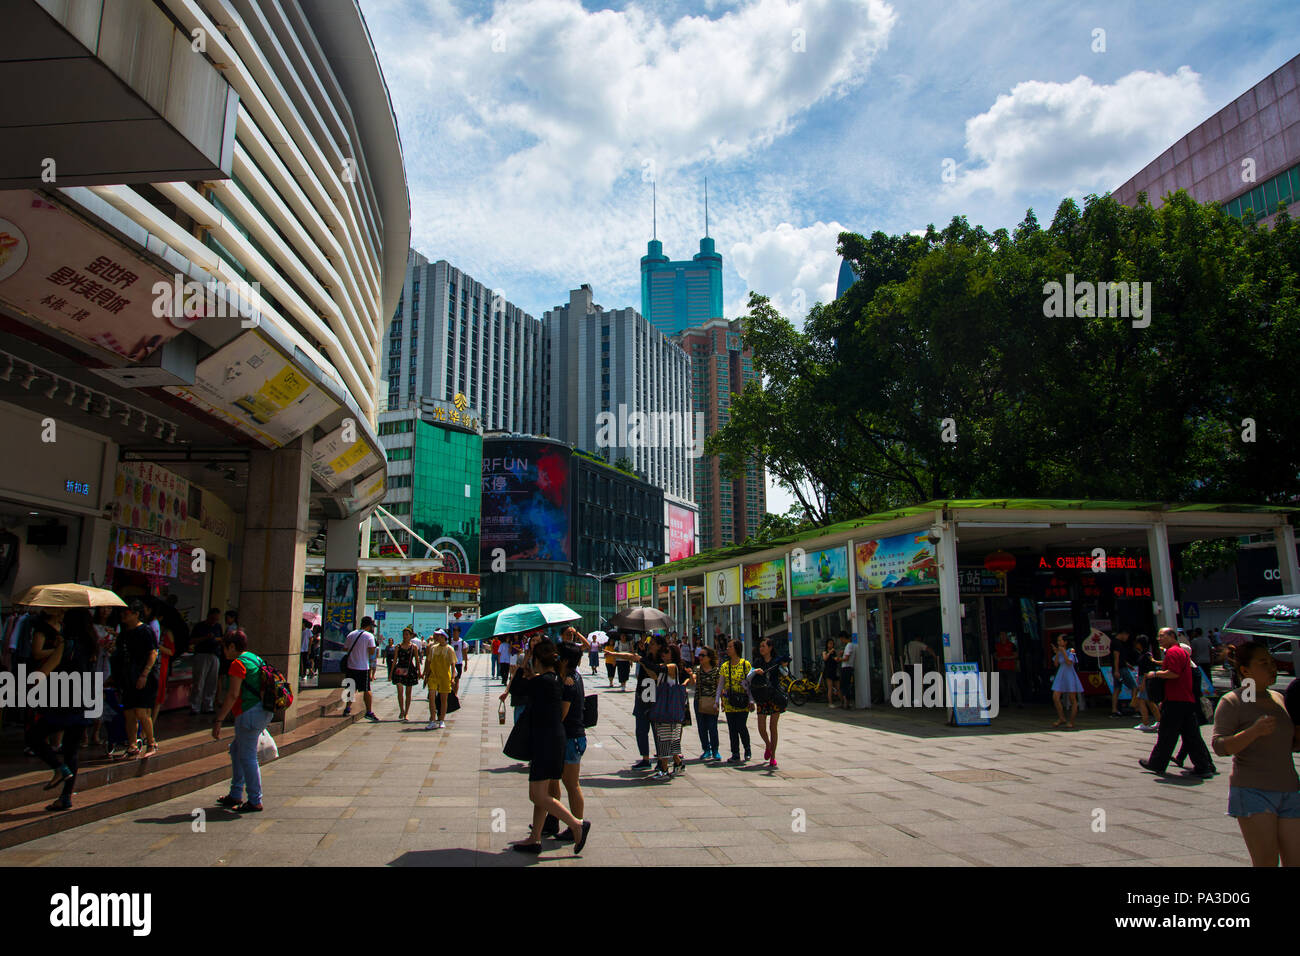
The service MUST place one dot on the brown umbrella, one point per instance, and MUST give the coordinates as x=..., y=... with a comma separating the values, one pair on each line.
x=642, y=619
x=69, y=595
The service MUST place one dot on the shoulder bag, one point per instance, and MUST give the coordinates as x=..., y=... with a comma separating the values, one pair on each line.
x=519, y=745
x=589, y=714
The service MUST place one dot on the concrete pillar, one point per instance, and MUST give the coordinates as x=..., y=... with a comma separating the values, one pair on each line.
x=274, y=553
x=1288, y=573
x=949, y=594
x=791, y=629
x=1162, y=576
x=92, y=555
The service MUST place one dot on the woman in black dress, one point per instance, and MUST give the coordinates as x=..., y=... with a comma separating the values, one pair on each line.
x=831, y=671
x=546, y=713
x=768, y=665
x=406, y=671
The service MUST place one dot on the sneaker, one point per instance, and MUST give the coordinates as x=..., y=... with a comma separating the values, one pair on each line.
x=642, y=764
x=734, y=758
x=748, y=757
x=229, y=802
x=60, y=775
x=347, y=710
x=679, y=767
x=1146, y=766
x=431, y=725
x=772, y=764
x=1116, y=713
x=370, y=715
x=661, y=775
x=442, y=725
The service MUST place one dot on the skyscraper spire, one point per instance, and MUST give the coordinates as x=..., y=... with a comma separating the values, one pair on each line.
x=706, y=207
x=654, y=211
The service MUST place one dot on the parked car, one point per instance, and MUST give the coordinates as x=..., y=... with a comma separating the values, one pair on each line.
x=1283, y=651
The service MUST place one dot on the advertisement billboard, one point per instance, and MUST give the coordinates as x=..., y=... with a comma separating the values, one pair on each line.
x=251, y=385
x=681, y=532
x=902, y=561
x=526, y=501
x=818, y=573
x=765, y=581
x=722, y=588
x=339, y=619
x=620, y=592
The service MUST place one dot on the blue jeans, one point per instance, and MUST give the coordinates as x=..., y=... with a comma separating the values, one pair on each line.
x=244, y=771
x=708, y=727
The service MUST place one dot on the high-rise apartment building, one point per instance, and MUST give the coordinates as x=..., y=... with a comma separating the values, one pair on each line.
x=614, y=361
x=453, y=335
x=721, y=366
x=679, y=295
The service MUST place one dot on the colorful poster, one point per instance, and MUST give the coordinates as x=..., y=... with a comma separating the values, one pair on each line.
x=722, y=588
x=765, y=581
x=901, y=561
x=66, y=274
x=620, y=592
x=147, y=497
x=340, y=456
x=340, y=617
x=818, y=573
x=967, y=695
x=681, y=532
x=526, y=501
x=634, y=590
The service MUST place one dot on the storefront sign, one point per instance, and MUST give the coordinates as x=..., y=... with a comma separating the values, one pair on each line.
x=645, y=588
x=444, y=581
x=456, y=412
x=982, y=581
x=1096, y=644
x=1084, y=561
x=722, y=588
x=253, y=386
x=63, y=273
x=149, y=555
x=819, y=573
x=901, y=561
x=765, y=581
x=973, y=701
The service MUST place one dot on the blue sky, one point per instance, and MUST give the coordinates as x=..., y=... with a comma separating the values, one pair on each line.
x=531, y=128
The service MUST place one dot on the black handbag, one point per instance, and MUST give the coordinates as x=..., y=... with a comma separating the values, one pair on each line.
x=589, y=712
x=453, y=703
x=519, y=745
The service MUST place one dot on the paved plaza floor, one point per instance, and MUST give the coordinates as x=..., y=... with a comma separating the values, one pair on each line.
x=878, y=788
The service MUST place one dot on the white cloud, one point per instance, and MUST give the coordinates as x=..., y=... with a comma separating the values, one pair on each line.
x=1079, y=136
x=548, y=134
x=794, y=267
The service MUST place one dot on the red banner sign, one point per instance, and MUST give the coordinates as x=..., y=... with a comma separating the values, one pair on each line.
x=444, y=581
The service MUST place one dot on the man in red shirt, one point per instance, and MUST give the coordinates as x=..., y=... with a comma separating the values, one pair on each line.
x=1178, y=714
x=496, y=646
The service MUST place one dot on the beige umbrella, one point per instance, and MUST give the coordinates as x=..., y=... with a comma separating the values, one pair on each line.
x=69, y=595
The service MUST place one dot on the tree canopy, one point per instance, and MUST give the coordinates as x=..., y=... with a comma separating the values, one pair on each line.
x=945, y=336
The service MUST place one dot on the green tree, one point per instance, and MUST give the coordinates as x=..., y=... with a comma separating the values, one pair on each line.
x=945, y=337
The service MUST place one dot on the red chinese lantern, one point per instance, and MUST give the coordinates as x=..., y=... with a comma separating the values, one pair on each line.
x=1000, y=561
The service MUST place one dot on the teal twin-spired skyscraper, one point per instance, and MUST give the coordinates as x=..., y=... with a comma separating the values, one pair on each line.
x=676, y=296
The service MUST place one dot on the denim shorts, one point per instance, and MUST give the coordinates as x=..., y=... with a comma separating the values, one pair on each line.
x=1124, y=678
x=1247, y=801
x=574, y=748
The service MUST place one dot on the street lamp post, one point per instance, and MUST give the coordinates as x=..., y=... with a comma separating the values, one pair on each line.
x=600, y=594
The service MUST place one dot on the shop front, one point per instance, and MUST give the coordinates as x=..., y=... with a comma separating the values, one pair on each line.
x=934, y=585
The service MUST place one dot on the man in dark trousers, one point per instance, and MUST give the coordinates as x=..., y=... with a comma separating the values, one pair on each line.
x=647, y=674
x=1178, y=713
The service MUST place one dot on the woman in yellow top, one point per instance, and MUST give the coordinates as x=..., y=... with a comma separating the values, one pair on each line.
x=733, y=694
x=439, y=675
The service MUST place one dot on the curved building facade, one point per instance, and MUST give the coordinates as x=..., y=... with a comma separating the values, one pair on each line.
x=205, y=284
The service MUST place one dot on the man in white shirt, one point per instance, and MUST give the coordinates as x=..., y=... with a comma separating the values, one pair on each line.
x=361, y=655
x=504, y=659
x=847, y=673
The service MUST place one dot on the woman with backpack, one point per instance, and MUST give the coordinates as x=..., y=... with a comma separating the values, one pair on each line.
x=244, y=700
x=733, y=689
x=765, y=688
